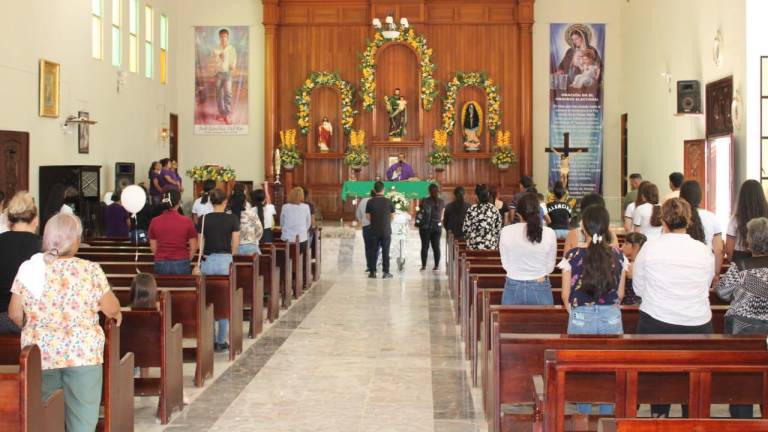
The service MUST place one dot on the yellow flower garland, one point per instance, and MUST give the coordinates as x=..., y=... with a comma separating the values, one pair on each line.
x=325, y=79
x=477, y=79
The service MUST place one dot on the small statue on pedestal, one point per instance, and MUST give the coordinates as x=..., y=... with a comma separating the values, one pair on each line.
x=471, y=122
x=398, y=115
x=324, y=134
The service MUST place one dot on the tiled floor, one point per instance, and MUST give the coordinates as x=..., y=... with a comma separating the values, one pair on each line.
x=353, y=355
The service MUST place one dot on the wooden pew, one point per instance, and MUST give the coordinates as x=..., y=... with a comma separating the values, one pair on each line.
x=22, y=408
x=683, y=425
x=247, y=278
x=283, y=255
x=268, y=269
x=148, y=334
x=708, y=377
x=117, y=377
x=190, y=308
x=221, y=291
x=515, y=358
x=317, y=252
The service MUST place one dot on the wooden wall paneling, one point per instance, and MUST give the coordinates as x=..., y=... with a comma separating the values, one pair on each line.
x=314, y=35
x=397, y=66
x=326, y=101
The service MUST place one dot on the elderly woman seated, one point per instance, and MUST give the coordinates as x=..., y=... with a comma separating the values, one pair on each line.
x=746, y=286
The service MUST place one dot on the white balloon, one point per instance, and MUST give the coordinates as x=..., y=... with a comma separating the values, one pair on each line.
x=133, y=198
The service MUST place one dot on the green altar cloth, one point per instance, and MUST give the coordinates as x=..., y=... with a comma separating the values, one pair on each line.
x=411, y=189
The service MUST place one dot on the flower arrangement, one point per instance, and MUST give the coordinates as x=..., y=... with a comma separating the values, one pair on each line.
x=399, y=200
x=289, y=154
x=357, y=154
x=477, y=79
x=211, y=172
x=407, y=35
x=325, y=79
x=503, y=155
x=440, y=156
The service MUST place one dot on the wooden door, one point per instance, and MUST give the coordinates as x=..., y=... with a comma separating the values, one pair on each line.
x=624, y=148
x=695, y=166
x=14, y=162
x=174, y=137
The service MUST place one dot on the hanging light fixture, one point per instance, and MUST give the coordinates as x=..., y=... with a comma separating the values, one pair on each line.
x=391, y=30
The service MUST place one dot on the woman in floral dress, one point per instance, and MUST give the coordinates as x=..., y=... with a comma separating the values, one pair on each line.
x=482, y=223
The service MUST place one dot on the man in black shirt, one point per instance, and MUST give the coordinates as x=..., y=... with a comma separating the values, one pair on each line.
x=380, y=212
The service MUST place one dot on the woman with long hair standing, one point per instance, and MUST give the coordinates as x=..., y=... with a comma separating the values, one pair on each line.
x=250, y=224
x=202, y=205
x=432, y=208
x=266, y=212
x=593, y=284
x=528, y=252
x=751, y=204
x=221, y=238
x=704, y=226
x=453, y=217
x=647, y=216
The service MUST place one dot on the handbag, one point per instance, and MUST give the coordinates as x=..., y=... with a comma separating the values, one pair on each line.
x=201, y=242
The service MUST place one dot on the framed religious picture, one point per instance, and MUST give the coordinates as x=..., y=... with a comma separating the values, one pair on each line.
x=83, y=133
x=49, y=89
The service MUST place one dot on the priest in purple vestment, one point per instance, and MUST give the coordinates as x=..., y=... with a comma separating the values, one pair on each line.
x=400, y=170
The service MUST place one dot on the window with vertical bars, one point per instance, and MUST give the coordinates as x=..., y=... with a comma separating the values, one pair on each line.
x=117, y=33
x=163, y=49
x=148, y=39
x=97, y=34
x=133, y=36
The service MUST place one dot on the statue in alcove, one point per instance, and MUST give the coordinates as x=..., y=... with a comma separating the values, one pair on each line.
x=472, y=125
x=398, y=118
x=324, y=134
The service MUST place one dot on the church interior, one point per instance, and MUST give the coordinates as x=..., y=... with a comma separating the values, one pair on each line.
x=384, y=117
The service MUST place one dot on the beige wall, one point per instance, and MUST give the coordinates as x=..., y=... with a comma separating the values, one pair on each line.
x=60, y=31
x=589, y=11
x=676, y=37
x=245, y=153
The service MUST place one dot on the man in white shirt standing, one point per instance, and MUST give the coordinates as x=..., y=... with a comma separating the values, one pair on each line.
x=226, y=64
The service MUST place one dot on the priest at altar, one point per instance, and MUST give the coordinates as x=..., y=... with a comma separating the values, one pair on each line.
x=400, y=170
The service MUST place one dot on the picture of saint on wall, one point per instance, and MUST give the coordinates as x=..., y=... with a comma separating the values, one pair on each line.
x=221, y=80
x=577, y=62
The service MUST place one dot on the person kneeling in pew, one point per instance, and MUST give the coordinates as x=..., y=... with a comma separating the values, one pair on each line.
x=593, y=285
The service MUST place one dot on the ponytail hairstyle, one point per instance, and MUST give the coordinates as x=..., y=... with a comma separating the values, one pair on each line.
x=171, y=199
x=237, y=204
x=528, y=207
x=258, y=196
x=650, y=193
x=599, y=275
x=458, y=196
x=676, y=214
x=61, y=237
x=208, y=186
x=143, y=292
x=690, y=191
x=218, y=196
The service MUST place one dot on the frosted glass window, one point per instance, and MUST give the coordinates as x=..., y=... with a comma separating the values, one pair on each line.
x=133, y=36
x=148, y=39
x=97, y=34
x=117, y=33
x=163, y=49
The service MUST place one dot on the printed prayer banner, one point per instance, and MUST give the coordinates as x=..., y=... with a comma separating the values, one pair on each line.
x=221, y=80
x=577, y=68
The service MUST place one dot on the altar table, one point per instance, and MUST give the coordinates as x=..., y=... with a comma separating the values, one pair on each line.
x=411, y=189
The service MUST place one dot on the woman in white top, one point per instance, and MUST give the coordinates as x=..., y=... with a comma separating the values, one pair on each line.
x=266, y=212
x=646, y=217
x=630, y=210
x=203, y=205
x=296, y=219
x=751, y=205
x=528, y=251
x=672, y=275
x=704, y=226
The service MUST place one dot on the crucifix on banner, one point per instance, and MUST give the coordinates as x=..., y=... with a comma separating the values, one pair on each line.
x=565, y=153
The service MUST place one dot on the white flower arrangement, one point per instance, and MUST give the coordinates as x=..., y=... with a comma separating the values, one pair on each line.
x=399, y=200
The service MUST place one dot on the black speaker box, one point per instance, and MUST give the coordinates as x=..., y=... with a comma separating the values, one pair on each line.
x=688, y=97
x=125, y=175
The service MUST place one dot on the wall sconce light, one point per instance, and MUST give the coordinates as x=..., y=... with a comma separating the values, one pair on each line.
x=165, y=134
x=122, y=78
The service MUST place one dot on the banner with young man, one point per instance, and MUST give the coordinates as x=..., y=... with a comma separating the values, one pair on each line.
x=577, y=66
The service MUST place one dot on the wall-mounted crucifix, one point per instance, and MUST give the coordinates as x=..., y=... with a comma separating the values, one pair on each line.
x=565, y=153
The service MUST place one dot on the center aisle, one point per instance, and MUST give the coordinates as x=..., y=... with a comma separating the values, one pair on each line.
x=370, y=355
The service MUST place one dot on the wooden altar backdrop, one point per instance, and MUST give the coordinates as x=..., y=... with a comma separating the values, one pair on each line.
x=492, y=36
